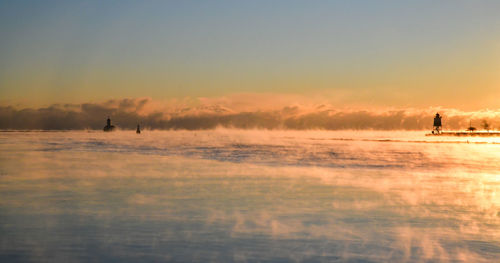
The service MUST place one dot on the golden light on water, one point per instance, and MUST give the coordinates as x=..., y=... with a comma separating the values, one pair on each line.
x=283, y=131
x=377, y=196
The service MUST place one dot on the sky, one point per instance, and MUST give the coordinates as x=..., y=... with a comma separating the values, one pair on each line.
x=347, y=53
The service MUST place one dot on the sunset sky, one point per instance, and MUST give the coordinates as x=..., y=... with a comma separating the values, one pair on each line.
x=368, y=53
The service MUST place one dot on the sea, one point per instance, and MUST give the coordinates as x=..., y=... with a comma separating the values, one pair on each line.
x=229, y=195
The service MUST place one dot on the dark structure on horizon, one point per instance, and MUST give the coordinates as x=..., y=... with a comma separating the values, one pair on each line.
x=108, y=126
x=138, y=131
x=437, y=124
x=471, y=131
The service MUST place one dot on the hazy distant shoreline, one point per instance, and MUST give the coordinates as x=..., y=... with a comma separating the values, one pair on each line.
x=127, y=113
x=212, y=129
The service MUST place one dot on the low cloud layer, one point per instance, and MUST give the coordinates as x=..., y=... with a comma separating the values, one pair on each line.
x=210, y=114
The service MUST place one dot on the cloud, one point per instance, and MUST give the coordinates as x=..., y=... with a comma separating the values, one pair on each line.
x=234, y=112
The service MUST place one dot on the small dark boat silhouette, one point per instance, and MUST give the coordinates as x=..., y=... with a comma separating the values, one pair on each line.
x=108, y=126
x=138, y=131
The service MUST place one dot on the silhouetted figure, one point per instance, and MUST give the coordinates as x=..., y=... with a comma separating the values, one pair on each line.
x=138, y=131
x=437, y=124
x=108, y=126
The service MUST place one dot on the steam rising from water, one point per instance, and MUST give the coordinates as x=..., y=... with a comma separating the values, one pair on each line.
x=248, y=195
x=234, y=113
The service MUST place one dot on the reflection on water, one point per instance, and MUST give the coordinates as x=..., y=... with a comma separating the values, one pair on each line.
x=248, y=196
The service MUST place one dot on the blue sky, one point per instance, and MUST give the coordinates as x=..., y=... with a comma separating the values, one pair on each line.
x=394, y=52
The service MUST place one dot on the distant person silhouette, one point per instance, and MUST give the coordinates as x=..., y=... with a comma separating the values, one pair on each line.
x=138, y=131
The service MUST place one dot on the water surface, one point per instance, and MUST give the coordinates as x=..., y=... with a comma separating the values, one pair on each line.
x=248, y=196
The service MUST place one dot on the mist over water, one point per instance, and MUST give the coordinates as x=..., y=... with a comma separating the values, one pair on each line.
x=248, y=196
x=274, y=112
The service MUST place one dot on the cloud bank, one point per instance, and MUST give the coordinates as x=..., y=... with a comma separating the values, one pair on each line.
x=213, y=113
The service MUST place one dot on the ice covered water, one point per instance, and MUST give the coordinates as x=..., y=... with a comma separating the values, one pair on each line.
x=240, y=195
